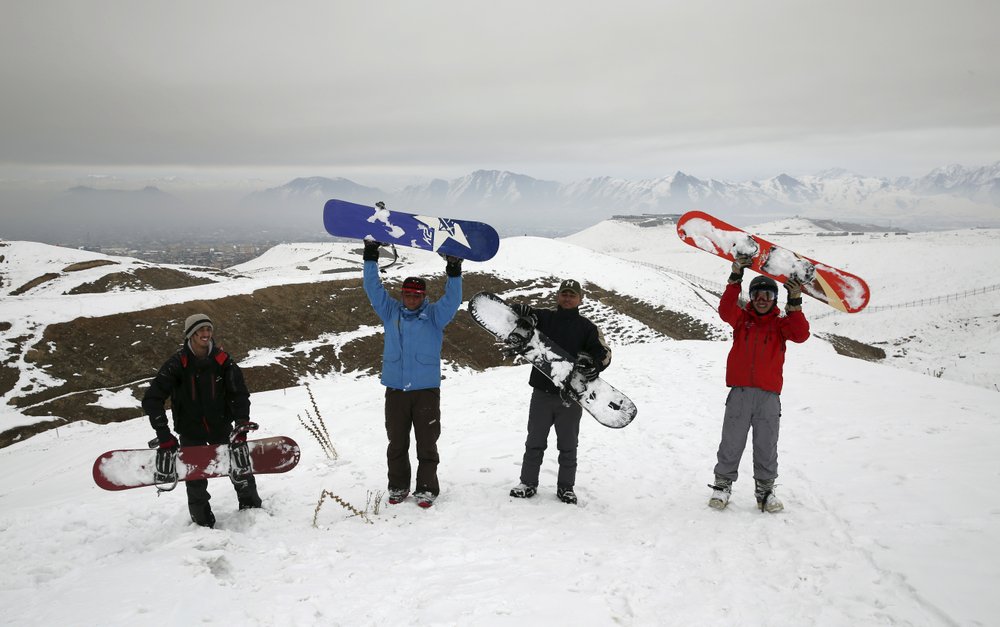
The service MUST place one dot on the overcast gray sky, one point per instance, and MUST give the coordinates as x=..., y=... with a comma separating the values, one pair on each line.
x=556, y=89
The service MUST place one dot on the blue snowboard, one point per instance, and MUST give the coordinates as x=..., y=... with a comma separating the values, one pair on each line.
x=465, y=239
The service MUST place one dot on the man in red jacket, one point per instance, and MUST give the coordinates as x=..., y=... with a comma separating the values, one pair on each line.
x=754, y=376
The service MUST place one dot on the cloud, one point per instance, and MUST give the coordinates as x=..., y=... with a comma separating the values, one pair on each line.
x=451, y=84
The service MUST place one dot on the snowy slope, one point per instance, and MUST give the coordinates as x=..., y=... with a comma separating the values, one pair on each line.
x=888, y=477
x=891, y=514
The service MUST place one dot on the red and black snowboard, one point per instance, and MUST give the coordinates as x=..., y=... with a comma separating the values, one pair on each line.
x=837, y=288
x=134, y=468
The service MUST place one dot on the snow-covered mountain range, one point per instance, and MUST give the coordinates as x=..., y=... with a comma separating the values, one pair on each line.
x=516, y=204
x=948, y=197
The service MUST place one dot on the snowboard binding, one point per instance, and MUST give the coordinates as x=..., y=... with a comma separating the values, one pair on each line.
x=746, y=247
x=165, y=476
x=573, y=388
x=521, y=335
x=239, y=453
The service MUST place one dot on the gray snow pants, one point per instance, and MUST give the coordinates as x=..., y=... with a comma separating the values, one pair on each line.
x=545, y=411
x=746, y=408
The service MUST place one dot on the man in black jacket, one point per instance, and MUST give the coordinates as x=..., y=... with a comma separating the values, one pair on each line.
x=207, y=396
x=578, y=336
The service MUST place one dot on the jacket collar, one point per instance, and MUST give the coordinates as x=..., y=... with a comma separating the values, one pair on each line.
x=567, y=313
x=413, y=313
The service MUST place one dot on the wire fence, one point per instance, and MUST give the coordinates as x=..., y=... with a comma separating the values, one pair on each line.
x=936, y=300
x=925, y=302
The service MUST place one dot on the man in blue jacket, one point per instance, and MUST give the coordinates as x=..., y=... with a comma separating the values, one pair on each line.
x=411, y=372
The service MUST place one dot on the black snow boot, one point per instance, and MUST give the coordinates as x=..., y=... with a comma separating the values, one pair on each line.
x=201, y=514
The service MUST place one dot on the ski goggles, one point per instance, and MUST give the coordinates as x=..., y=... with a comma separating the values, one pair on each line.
x=763, y=295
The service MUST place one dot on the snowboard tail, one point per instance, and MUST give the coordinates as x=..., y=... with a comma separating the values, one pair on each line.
x=839, y=289
x=603, y=401
x=466, y=239
x=134, y=468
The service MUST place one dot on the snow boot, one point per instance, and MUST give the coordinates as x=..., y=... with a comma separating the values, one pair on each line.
x=767, y=500
x=523, y=491
x=566, y=495
x=721, y=491
x=249, y=501
x=201, y=514
x=424, y=499
x=246, y=493
x=398, y=495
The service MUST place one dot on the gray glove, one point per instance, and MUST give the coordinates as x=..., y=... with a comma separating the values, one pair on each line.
x=794, y=287
x=740, y=263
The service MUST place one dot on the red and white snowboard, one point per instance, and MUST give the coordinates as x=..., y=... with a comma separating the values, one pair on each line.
x=837, y=288
x=133, y=468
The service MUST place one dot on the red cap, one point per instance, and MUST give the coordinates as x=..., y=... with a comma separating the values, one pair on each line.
x=413, y=285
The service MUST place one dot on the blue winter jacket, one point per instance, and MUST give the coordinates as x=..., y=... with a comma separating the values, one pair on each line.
x=411, y=359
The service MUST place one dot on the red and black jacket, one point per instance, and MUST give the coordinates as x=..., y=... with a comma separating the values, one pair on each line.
x=757, y=357
x=206, y=395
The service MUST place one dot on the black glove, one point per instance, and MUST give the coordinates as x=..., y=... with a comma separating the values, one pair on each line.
x=585, y=366
x=240, y=431
x=166, y=439
x=521, y=310
x=740, y=263
x=453, y=267
x=371, y=250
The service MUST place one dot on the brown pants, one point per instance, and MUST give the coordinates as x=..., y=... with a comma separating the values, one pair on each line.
x=421, y=411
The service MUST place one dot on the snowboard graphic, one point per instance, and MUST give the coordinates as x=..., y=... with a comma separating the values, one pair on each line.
x=475, y=241
x=837, y=288
x=610, y=407
x=125, y=469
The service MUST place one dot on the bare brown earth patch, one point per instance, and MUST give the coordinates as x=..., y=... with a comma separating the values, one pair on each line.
x=9, y=373
x=33, y=283
x=87, y=265
x=853, y=348
x=140, y=279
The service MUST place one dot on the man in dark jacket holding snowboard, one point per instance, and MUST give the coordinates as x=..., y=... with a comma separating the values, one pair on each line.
x=578, y=336
x=754, y=376
x=207, y=396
